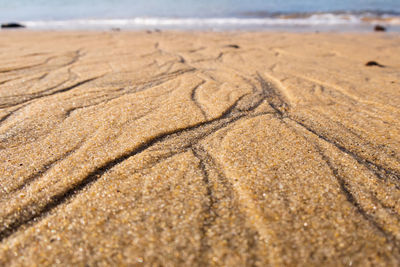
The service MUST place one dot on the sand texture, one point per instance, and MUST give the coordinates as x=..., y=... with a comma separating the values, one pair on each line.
x=199, y=149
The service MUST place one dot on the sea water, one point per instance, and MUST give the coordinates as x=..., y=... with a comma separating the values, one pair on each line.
x=338, y=15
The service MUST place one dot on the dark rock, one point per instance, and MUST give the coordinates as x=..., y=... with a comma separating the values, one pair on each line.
x=233, y=46
x=373, y=63
x=379, y=28
x=12, y=25
x=116, y=29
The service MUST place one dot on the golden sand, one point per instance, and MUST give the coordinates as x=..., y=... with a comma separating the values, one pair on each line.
x=196, y=149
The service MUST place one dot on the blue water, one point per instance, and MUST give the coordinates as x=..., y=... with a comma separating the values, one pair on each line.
x=175, y=13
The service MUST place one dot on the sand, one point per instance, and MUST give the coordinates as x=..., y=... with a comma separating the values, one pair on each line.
x=199, y=149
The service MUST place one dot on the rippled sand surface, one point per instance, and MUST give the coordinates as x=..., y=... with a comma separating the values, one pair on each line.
x=196, y=149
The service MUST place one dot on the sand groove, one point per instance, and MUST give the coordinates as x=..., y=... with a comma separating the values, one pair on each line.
x=238, y=110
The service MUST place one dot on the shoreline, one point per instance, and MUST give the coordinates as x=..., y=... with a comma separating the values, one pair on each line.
x=302, y=22
x=366, y=31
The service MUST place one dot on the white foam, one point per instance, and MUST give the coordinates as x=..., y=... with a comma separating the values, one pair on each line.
x=146, y=22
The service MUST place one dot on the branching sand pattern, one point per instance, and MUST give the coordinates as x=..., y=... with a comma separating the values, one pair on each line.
x=166, y=149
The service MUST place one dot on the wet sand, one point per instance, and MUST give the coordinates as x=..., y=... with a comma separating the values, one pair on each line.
x=196, y=149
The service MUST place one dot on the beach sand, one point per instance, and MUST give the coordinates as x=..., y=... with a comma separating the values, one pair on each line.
x=197, y=149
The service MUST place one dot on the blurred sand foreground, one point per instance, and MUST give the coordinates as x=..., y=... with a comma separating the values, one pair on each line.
x=196, y=149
